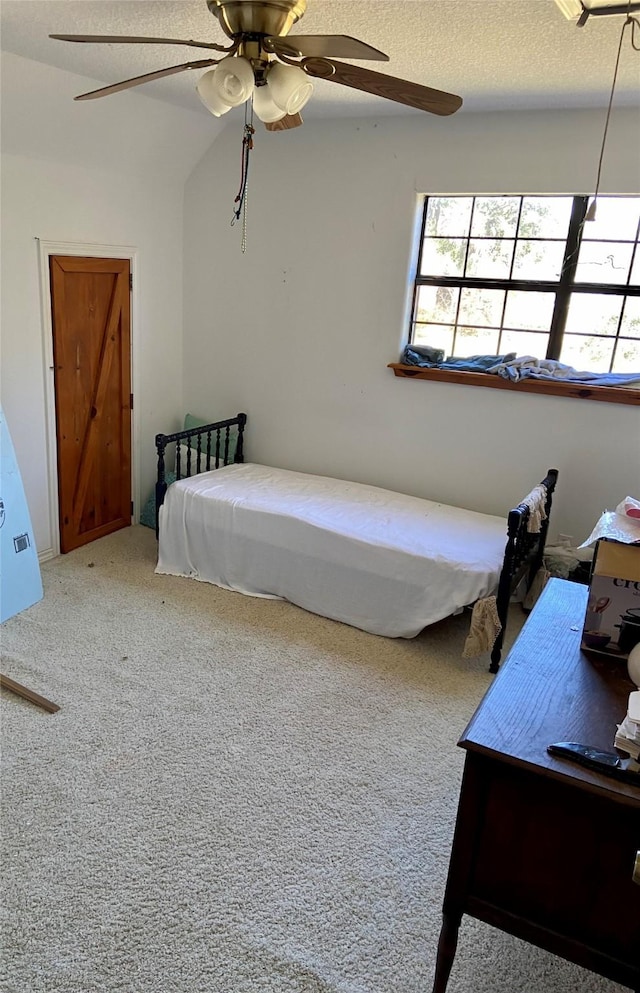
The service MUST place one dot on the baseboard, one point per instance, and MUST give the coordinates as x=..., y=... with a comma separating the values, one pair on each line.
x=45, y=555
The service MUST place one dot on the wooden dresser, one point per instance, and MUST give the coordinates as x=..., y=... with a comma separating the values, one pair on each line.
x=543, y=848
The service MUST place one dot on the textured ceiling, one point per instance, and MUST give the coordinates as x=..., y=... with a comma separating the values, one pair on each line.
x=496, y=54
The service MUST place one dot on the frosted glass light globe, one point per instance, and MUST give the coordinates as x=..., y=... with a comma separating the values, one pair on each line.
x=233, y=80
x=209, y=95
x=289, y=87
x=265, y=107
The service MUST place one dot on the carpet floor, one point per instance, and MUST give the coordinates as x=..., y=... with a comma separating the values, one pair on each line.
x=236, y=796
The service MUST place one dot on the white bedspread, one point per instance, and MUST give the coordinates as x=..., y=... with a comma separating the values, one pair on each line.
x=381, y=561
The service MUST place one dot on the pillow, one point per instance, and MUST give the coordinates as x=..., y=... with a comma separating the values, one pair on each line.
x=191, y=422
x=148, y=515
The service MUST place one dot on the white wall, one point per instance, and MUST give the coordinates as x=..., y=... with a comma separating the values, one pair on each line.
x=106, y=173
x=298, y=331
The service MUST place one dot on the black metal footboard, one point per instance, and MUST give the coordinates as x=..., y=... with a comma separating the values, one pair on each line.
x=523, y=557
x=199, y=450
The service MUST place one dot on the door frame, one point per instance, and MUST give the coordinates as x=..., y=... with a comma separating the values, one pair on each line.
x=88, y=250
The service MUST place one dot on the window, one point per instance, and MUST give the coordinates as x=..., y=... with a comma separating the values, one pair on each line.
x=528, y=274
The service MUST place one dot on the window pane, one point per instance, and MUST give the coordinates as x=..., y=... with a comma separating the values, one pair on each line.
x=627, y=357
x=631, y=318
x=545, y=217
x=603, y=262
x=495, y=217
x=476, y=341
x=616, y=218
x=489, y=240
x=529, y=311
x=435, y=335
x=489, y=259
x=594, y=313
x=481, y=307
x=448, y=216
x=538, y=260
x=525, y=343
x=587, y=354
x=437, y=303
x=443, y=257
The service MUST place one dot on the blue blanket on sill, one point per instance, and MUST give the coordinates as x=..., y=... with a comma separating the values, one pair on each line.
x=432, y=358
x=528, y=367
x=515, y=369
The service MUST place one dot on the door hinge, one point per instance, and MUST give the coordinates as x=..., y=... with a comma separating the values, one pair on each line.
x=132, y=508
x=130, y=280
x=131, y=401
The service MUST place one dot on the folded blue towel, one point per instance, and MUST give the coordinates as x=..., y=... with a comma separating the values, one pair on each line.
x=433, y=358
x=476, y=363
x=422, y=355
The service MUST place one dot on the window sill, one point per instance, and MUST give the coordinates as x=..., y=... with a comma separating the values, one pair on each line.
x=576, y=391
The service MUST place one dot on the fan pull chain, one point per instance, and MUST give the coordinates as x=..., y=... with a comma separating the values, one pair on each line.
x=241, y=199
x=243, y=243
x=633, y=21
x=635, y=44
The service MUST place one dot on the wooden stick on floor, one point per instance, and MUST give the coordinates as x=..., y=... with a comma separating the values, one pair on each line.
x=40, y=701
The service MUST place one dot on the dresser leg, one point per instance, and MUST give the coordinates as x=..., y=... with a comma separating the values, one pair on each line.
x=447, y=945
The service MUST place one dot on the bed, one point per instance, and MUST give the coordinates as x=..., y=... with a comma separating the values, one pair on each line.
x=385, y=562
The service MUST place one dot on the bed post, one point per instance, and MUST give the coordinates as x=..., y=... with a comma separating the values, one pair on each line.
x=536, y=563
x=524, y=555
x=239, y=456
x=504, y=586
x=161, y=484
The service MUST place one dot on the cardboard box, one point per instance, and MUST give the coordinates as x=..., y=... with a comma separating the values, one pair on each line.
x=612, y=621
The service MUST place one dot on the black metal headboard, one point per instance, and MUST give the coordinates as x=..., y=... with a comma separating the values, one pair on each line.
x=523, y=556
x=206, y=447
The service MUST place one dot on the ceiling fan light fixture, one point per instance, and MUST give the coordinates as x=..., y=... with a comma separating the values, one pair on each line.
x=289, y=87
x=208, y=93
x=265, y=106
x=233, y=80
x=257, y=29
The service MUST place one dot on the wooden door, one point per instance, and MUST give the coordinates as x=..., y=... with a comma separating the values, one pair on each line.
x=90, y=303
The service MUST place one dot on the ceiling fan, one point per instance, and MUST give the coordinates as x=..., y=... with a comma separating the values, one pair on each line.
x=274, y=68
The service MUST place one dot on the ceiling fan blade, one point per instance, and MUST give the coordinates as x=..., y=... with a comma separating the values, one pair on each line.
x=104, y=91
x=389, y=87
x=286, y=123
x=128, y=40
x=338, y=46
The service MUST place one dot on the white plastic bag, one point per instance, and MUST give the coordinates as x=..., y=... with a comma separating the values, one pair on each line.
x=621, y=524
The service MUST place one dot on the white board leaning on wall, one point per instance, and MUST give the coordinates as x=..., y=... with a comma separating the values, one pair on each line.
x=20, y=580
